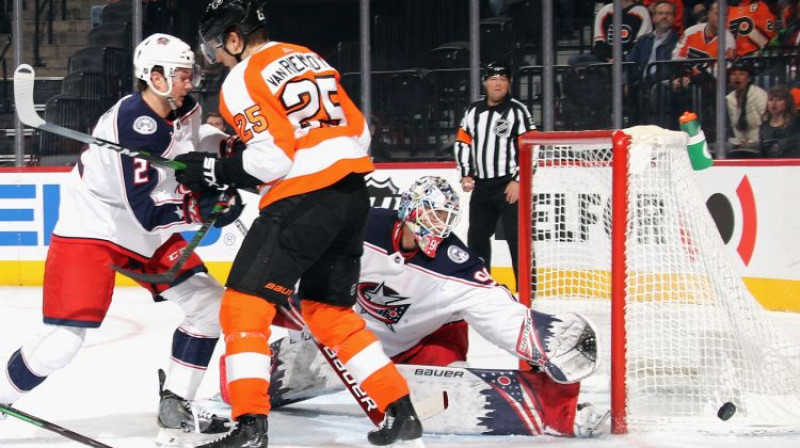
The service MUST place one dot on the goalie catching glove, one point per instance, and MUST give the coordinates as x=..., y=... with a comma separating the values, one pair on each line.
x=205, y=172
x=198, y=207
x=563, y=345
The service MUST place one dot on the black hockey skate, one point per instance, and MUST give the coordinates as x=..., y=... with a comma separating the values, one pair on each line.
x=400, y=424
x=176, y=413
x=250, y=432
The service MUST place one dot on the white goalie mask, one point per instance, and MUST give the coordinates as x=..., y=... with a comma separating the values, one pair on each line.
x=168, y=52
x=430, y=208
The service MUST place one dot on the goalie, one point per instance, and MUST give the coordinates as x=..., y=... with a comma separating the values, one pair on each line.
x=419, y=288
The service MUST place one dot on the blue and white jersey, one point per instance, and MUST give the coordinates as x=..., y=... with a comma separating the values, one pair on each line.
x=123, y=200
x=406, y=298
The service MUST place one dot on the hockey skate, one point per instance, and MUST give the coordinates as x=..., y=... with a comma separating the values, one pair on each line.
x=177, y=416
x=588, y=421
x=250, y=432
x=400, y=424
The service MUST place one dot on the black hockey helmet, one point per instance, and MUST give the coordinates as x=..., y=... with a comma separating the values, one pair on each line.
x=497, y=68
x=223, y=15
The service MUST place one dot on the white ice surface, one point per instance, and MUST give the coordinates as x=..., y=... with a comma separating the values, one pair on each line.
x=109, y=392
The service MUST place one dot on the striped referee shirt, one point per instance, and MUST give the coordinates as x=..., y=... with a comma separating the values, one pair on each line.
x=486, y=142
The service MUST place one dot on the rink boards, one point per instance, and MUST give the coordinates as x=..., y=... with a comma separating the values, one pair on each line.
x=753, y=204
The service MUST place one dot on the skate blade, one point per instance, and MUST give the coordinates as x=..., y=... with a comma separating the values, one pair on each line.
x=416, y=443
x=176, y=438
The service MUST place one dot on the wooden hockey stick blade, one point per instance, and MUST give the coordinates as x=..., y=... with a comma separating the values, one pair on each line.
x=172, y=273
x=24, y=77
x=44, y=424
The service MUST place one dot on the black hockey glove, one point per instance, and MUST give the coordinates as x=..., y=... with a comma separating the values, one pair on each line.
x=198, y=207
x=200, y=174
x=205, y=172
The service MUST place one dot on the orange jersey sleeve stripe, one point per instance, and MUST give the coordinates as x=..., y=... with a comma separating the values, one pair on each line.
x=316, y=181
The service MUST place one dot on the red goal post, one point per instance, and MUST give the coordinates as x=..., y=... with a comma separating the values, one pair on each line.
x=613, y=225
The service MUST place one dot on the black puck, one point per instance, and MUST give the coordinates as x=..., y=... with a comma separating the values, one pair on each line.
x=726, y=411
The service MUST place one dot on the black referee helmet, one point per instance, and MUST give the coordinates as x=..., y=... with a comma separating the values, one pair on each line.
x=497, y=68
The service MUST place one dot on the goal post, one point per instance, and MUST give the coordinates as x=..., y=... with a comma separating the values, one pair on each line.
x=613, y=225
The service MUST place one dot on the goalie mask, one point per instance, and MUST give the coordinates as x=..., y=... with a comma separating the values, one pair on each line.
x=167, y=52
x=431, y=210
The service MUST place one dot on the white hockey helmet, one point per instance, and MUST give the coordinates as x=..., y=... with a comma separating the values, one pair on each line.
x=167, y=52
x=430, y=208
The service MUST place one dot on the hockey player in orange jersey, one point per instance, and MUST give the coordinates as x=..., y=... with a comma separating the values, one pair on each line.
x=306, y=149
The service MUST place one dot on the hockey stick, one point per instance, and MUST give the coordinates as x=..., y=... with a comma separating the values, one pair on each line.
x=44, y=424
x=172, y=273
x=23, y=98
x=425, y=408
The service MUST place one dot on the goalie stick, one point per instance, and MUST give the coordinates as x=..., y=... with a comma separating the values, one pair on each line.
x=24, y=77
x=44, y=424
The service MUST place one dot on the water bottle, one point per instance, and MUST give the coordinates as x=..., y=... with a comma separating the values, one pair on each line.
x=697, y=146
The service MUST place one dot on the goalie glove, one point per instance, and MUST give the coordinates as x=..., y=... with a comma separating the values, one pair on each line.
x=198, y=207
x=564, y=346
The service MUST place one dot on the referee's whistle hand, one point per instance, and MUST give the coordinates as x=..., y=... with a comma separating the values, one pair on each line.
x=512, y=192
x=467, y=184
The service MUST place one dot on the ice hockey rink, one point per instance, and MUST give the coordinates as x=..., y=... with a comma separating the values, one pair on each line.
x=110, y=391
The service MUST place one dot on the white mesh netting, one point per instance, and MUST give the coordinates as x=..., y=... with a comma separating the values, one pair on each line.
x=696, y=337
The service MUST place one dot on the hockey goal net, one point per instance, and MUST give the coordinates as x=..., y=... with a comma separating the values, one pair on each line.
x=613, y=225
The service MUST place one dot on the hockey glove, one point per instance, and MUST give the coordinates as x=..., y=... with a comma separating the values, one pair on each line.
x=198, y=207
x=206, y=172
x=230, y=146
x=200, y=173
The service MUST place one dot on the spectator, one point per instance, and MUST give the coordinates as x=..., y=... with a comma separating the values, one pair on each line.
x=752, y=24
x=698, y=42
x=654, y=46
x=636, y=21
x=215, y=119
x=677, y=12
x=780, y=129
x=651, y=47
x=487, y=156
x=746, y=106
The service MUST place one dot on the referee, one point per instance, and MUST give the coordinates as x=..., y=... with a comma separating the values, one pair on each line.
x=487, y=156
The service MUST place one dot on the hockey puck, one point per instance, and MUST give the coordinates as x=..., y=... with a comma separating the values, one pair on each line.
x=726, y=411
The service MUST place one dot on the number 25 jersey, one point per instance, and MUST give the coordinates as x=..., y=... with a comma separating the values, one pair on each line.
x=303, y=133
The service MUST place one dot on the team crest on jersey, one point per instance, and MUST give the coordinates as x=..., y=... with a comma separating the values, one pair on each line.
x=457, y=254
x=145, y=125
x=382, y=303
x=502, y=128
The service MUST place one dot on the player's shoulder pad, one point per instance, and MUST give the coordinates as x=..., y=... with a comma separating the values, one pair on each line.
x=453, y=259
x=140, y=127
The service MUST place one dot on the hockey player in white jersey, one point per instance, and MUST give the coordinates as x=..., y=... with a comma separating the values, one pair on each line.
x=418, y=289
x=123, y=211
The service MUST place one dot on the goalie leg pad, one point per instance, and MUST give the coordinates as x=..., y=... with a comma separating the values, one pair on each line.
x=563, y=345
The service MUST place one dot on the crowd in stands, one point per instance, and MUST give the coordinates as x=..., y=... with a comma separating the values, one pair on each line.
x=670, y=46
